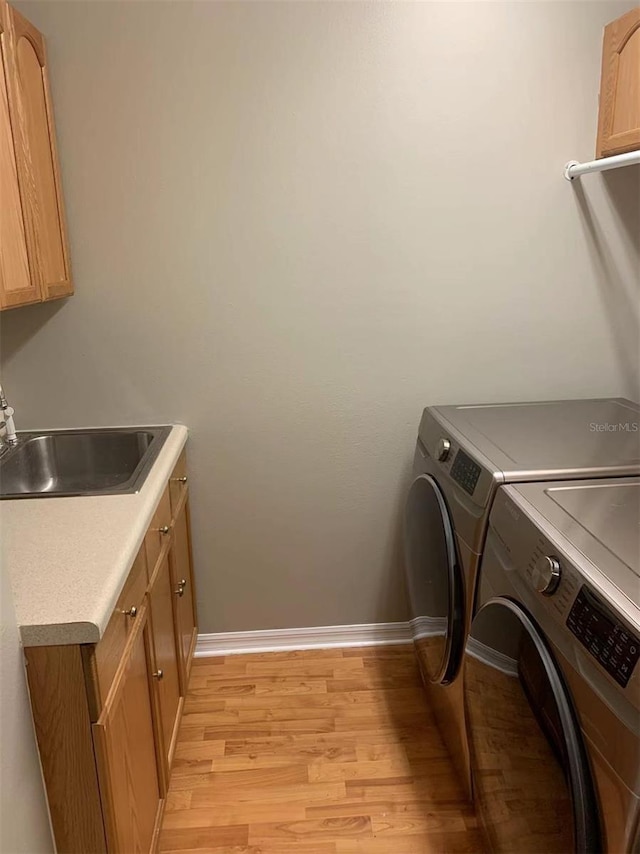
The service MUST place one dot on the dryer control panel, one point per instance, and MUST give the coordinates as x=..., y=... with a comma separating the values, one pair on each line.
x=611, y=643
x=465, y=472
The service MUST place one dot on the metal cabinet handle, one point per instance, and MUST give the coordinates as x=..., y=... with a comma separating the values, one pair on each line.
x=158, y=674
x=182, y=479
x=131, y=612
x=165, y=529
x=179, y=591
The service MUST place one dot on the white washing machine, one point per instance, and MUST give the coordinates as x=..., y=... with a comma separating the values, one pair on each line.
x=551, y=674
x=463, y=454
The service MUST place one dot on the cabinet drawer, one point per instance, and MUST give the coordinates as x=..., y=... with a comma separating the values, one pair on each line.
x=159, y=530
x=108, y=651
x=178, y=484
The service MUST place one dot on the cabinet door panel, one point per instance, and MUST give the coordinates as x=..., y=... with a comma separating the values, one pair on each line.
x=125, y=751
x=36, y=156
x=626, y=116
x=619, y=116
x=182, y=579
x=166, y=658
x=63, y=729
x=16, y=287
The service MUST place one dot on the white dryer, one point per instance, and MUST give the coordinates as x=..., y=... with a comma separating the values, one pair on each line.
x=551, y=674
x=463, y=454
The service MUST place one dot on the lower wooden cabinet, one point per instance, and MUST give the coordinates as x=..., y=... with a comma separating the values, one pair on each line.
x=182, y=579
x=165, y=676
x=60, y=709
x=107, y=715
x=126, y=751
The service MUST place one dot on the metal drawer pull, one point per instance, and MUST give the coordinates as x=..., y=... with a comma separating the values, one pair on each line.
x=165, y=529
x=182, y=479
x=179, y=591
x=131, y=612
x=158, y=674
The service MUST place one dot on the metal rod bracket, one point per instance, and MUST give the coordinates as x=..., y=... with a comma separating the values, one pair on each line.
x=574, y=169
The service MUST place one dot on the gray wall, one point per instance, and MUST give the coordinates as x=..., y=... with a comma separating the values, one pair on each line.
x=293, y=225
x=24, y=820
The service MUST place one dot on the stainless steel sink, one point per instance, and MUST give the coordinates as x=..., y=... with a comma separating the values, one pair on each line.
x=80, y=462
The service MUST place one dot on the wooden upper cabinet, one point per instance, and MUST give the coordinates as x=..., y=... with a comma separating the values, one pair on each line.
x=32, y=224
x=619, y=116
x=16, y=287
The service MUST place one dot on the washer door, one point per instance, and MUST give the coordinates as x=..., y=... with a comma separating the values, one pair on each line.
x=531, y=778
x=434, y=580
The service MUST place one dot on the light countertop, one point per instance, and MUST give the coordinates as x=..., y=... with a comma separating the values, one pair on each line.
x=68, y=558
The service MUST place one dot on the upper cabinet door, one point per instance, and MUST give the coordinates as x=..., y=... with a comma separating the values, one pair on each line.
x=619, y=116
x=16, y=287
x=36, y=157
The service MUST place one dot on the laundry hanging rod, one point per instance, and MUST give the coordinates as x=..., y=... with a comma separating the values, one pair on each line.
x=573, y=169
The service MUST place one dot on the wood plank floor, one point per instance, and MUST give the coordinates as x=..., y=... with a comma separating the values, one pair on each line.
x=319, y=752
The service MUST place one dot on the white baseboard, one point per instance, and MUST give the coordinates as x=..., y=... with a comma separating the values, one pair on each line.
x=337, y=637
x=317, y=637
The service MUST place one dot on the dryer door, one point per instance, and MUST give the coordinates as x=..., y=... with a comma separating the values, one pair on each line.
x=434, y=579
x=530, y=773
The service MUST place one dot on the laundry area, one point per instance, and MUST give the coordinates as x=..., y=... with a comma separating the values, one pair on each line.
x=320, y=427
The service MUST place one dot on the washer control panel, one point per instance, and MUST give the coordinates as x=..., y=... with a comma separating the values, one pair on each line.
x=465, y=472
x=611, y=643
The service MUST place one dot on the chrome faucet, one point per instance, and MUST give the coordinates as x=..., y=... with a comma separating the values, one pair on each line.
x=6, y=419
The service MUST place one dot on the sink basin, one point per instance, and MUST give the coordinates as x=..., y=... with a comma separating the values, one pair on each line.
x=80, y=462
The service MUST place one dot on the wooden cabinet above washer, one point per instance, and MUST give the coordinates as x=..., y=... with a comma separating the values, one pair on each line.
x=619, y=115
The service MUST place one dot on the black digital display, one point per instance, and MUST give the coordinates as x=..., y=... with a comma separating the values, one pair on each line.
x=465, y=472
x=616, y=648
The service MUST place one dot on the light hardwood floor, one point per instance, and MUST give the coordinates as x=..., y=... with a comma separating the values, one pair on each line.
x=319, y=752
